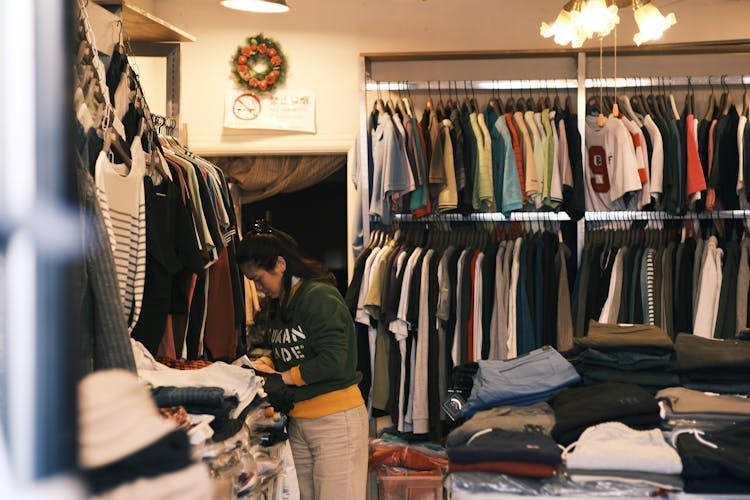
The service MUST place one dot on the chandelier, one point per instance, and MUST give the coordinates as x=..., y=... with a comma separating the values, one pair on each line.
x=580, y=20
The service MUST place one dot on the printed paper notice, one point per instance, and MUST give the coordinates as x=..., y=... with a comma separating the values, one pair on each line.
x=291, y=110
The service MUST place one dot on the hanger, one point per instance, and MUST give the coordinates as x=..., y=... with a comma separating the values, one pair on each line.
x=450, y=104
x=440, y=106
x=661, y=101
x=594, y=105
x=711, y=108
x=474, y=104
x=510, y=104
x=407, y=101
x=378, y=105
x=494, y=102
x=672, y=104
x=556, y=101
x=727, y=101
x=520, y=103
x=466, y=102
x=530, y=104
x=429, y=103
x=689, y=97
x=547, y=102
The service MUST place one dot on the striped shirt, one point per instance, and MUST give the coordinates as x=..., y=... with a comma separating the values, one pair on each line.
x=122, y=198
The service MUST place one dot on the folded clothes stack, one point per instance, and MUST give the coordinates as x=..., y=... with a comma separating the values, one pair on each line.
x=578, y=408
x=525, y=380
x=637, y=354
x=127, y=450
x=529, y=454
x=713, y=365
x=707, y=410
x=612, y=451
x=715, y=461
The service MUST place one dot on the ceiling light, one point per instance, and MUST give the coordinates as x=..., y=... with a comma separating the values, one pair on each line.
x=595, y=18
x=264, y=6
x=580, y=20
x=651, y=23
x=564, y=31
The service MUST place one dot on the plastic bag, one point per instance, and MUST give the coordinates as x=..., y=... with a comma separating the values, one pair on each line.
x=405, y=455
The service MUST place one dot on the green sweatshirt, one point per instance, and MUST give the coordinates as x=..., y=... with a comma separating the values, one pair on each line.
x=319, y=347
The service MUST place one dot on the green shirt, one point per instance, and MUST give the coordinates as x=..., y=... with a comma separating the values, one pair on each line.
x=319, y=339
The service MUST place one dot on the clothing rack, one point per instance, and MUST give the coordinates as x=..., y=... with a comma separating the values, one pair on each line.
x=562, y=83
x=486, y=217
x=636, y=215
x=553, y=83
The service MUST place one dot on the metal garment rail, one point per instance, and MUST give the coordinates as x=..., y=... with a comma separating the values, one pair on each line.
x=638, y=215
x=561, y=83
x=486, y=217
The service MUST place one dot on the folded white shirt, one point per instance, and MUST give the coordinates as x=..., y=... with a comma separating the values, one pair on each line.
x=615, y=446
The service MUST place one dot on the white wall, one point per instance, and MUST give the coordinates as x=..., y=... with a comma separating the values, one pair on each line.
x=323, y=40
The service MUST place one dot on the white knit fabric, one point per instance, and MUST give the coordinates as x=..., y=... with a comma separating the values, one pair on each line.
x=615, y=446
x=122, y=197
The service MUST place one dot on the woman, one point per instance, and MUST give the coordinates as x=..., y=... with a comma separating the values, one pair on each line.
x=314, y=350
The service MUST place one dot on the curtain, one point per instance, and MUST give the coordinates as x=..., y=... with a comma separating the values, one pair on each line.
x=261, y=177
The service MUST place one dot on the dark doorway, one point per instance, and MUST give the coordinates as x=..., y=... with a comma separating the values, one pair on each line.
x=316, y=217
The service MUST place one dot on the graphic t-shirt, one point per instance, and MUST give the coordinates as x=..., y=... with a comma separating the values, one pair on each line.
x=611, y=166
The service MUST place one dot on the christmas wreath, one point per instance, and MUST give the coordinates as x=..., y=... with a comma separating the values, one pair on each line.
x=259, y=65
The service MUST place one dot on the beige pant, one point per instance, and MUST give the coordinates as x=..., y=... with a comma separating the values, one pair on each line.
x=330, y=455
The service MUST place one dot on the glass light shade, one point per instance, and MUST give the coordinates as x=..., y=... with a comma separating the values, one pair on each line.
x=264, y=6
x=595, y=18
x=563, y=30
x=651, y=23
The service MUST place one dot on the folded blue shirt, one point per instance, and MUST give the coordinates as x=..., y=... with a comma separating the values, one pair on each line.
x=521, y=381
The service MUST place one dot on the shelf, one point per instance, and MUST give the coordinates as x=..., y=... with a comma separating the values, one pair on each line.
x=141, y=26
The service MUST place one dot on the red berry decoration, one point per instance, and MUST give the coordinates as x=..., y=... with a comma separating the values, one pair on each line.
x=259, y=52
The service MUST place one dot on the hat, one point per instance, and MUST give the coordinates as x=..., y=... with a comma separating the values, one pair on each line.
x=116, y=418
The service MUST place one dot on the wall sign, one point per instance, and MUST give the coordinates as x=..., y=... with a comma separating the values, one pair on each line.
x=291, y=110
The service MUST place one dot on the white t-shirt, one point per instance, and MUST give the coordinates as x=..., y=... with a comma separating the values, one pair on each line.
x=611, y=165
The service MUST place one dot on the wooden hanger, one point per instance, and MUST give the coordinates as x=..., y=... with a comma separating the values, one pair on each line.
x=429, y=104
x=726, y=97
x=711, y=108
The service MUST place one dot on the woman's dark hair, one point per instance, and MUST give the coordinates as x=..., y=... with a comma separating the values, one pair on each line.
x=263, y=245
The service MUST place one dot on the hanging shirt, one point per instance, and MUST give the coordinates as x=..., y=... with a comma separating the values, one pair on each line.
x=126, y=210
x=710, y=289
x=448, y=196
x=639, y=144
x=392, y=174
x=512, y=194
x=529, y=163
x=611, y=165
x=517, y=153
x=556, y=195
x=695, y=180
x=538, y=152
x=420, y=414
x=657, y=157
x=478, y=308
